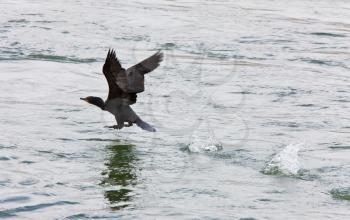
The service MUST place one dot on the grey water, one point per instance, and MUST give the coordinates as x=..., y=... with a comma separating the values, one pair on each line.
x=251, y=106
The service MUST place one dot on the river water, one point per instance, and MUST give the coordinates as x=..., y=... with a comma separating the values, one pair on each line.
x=251, y=104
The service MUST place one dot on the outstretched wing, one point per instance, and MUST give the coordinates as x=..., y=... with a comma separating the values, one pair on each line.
x=147, y=65
x=111, y=70
x=132, y=80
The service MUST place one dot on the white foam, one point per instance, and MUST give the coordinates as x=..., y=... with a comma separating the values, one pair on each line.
x=198, y=144
x=286, y=161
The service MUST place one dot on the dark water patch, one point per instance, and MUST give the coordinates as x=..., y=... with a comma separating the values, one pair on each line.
x=44, y=194
x=4, y=158
x=243, y=92
x=282, y=124
x=18, y=102
x=342, y=91
x=340, y=147
x=33, y=14
x=276, y=191
x=71, y=156
x=321, y=62
x=18, y=21
x=15, y=199
x=27, y=162
x=265, y=41
x=217, y=106
x=264, y=200
x=341, y=193
x=216, y=54
x=296, y=126
x=44, y=28
x=274, y=171
x=62, y=59
x=85, y=216
x=4, y=182
x=45, y=152
x=307, y=175
x=14, y=211
x=328, y=169
x=211, y=83
x=306, y=105
x=285, y=93
x=11, y=54
x=87, y=131
x=278, y=134
x=99, y=139
x=62, y=118
x=18, y=55
x=67, y=109
x=222, y=56
x=326, y=34
x=49, y=22
x=341, y=100
x=15, y=43
x=133, y=38
x=29, y=182
x=302, y=174
x=6, y=215
x=65, y=139
x=78, y=216
x=201, y=53
x=169, y=46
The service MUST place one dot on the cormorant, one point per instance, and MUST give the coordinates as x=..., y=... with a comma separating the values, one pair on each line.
x=124, y=84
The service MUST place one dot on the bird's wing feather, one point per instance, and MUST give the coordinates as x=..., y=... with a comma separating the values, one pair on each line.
x=148, y=65
x=111, y=70
x=133, y=79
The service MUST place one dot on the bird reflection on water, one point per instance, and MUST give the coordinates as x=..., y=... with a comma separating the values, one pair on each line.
x=120, y=175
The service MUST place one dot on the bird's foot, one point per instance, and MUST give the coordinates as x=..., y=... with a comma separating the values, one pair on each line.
x=114, y=126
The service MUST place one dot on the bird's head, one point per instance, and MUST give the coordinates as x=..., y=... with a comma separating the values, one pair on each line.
x=94, y=101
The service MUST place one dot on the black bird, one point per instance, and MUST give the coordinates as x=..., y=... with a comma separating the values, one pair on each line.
x=124, y=84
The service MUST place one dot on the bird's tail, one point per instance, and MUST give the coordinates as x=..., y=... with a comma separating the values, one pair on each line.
x=144, y=125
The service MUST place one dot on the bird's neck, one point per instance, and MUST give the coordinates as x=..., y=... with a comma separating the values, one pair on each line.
x=98, y=102
x=101, y=106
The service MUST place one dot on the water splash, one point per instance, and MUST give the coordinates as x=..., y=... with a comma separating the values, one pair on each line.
x=199, y=144
x=285, y=162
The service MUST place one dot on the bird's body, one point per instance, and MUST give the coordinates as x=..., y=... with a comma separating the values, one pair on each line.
x=123, y=112
x=124, y=84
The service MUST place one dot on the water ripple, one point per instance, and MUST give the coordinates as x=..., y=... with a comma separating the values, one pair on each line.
x=327, y=34
x=14, y=211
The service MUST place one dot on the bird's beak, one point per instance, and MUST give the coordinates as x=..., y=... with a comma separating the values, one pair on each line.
x=84, y=99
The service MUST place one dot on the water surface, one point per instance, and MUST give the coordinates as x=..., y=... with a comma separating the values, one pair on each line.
x=251, y=105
